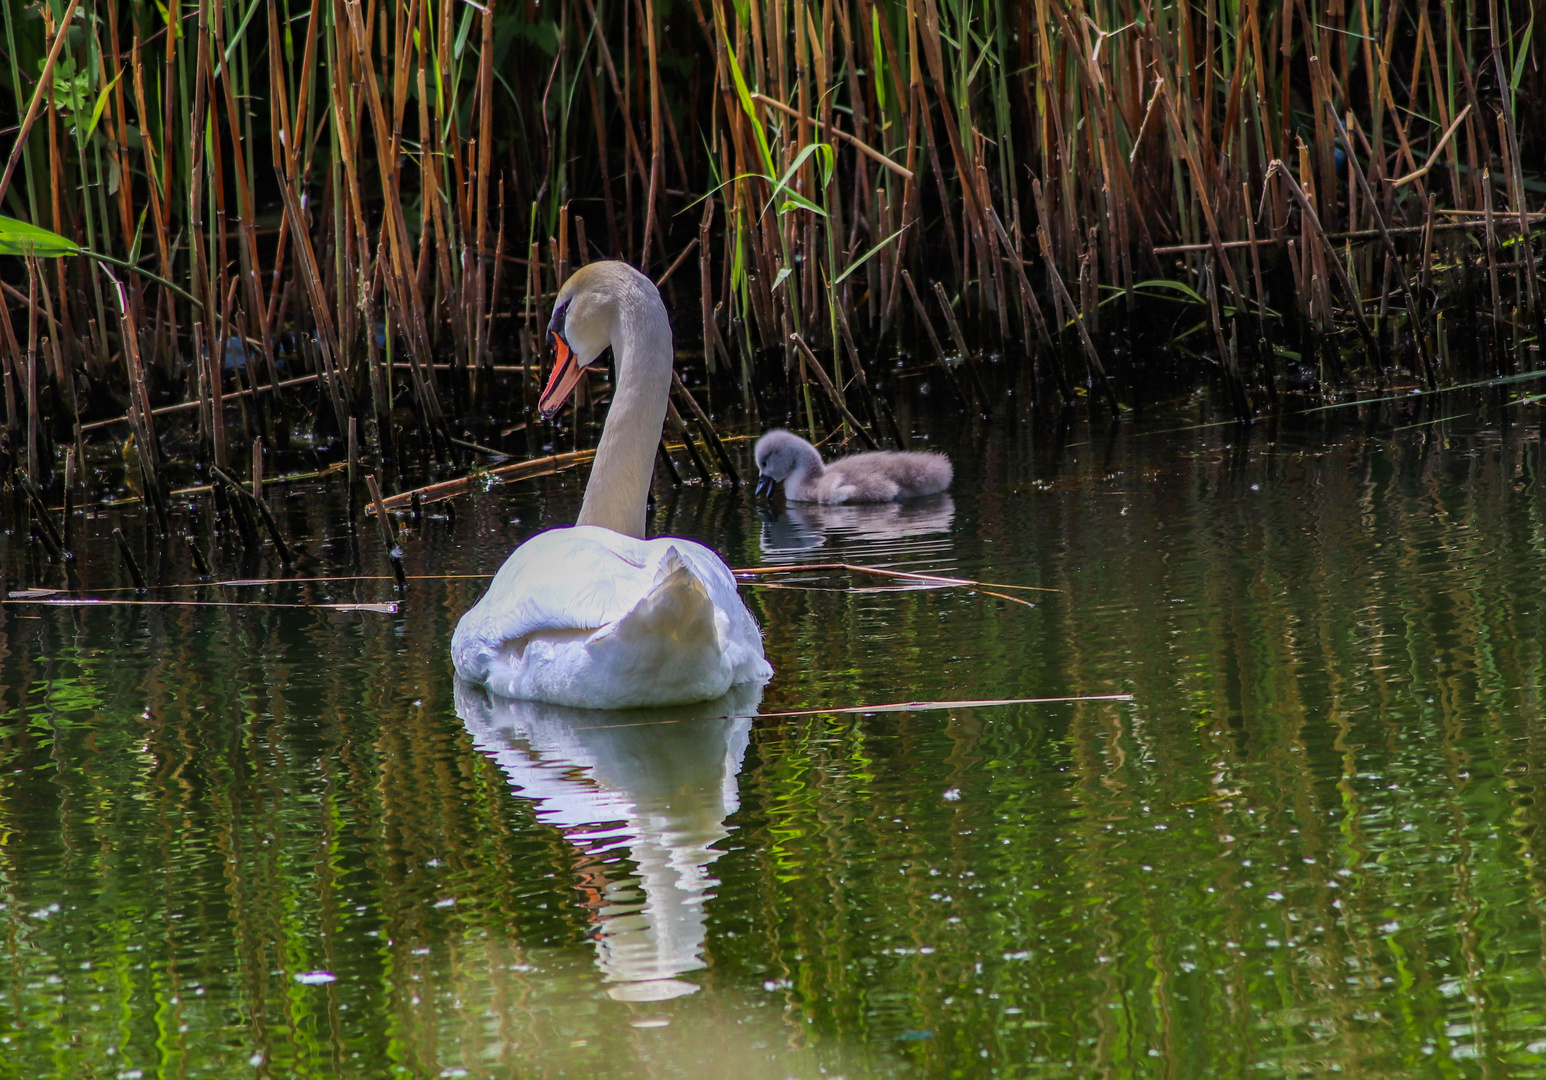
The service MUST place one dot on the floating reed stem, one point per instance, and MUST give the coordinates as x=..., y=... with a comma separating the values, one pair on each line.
x=900, y=575
x=937, y=706
x=889, y=707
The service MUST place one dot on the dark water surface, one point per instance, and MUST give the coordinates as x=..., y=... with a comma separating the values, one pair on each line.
x=277, y=842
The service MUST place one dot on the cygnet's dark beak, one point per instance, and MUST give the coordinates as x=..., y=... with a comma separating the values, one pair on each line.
x=765, y=486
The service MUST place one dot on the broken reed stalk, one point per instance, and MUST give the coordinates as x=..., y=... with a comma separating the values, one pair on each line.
x=45, y=82
x=502, y=474
x=1049, y=260
x=388, y=534
x=246, y=501
x=939, y=350
x=664, y=456
x=189, y=406
x=285, y=557
x=58, y=551
x=353, y=482
x=674, y=422
x=950, y=322
x=238, y=502
x=257, y=469
x=130, y=561
x=1415, y=313
x=200, y=563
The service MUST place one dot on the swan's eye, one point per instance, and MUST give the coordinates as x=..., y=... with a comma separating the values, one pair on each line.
x=560, y=315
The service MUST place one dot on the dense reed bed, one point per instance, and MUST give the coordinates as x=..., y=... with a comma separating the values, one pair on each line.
x=347, y=219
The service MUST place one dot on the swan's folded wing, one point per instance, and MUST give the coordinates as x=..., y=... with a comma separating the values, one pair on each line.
x=564, y=579
x=740, y=636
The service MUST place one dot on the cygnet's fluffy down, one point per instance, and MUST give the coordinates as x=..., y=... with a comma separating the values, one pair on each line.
x=874, y=477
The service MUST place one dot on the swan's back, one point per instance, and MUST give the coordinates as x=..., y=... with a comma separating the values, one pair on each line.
x=591, y=618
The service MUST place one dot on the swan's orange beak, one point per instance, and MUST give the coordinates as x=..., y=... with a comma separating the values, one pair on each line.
x=566, y=373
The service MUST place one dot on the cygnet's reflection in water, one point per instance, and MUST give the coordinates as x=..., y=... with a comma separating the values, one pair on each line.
x=915, y=528
x=656, y=782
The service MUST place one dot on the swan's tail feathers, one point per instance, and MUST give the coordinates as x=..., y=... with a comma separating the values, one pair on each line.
x=677, y=612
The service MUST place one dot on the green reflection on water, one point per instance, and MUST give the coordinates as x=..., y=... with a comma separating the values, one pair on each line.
x=262, y=842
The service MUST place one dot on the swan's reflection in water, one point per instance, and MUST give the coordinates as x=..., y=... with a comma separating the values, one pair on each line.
x=867, y=532
x=656, y=782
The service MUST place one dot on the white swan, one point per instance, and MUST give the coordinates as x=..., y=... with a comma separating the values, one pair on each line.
x=595, y=616
x=874, y=477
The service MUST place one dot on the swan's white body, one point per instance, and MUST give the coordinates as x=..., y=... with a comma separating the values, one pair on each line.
x=591, y=618
x=595, y=616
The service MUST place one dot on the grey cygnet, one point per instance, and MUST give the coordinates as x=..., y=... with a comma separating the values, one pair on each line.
x=874, y=477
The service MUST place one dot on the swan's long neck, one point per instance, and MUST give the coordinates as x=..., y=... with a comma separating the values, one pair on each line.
x=625, y=460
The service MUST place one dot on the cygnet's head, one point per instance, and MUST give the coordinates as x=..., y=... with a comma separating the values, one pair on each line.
x=585, y=320
x=781, y=454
